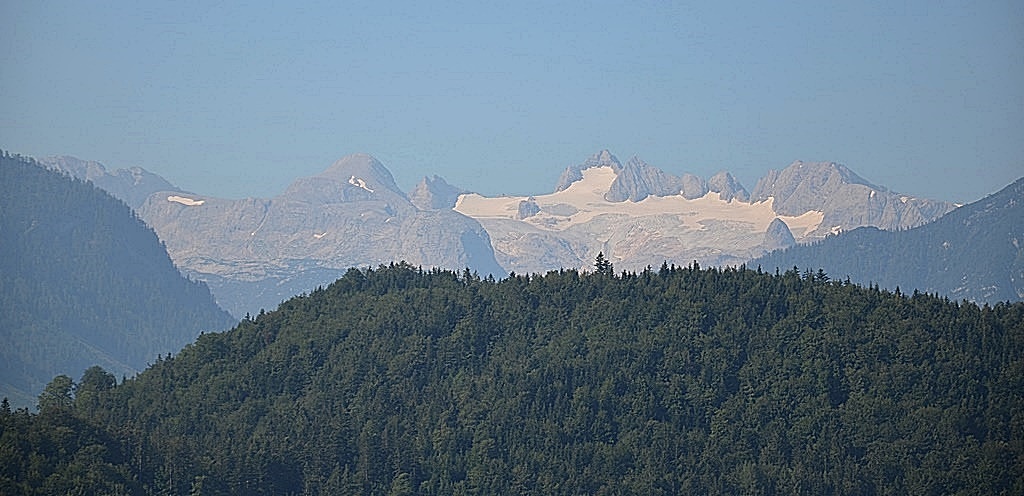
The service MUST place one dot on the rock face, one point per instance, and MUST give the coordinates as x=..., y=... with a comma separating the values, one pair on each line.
x=256, y=252
x=434, y=193
x=637, y=180
x=778, y=236
x=847, y=200
x=728, y=187
x=975, y=252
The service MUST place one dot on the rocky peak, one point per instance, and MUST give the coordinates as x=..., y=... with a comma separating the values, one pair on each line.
x=728, y=187
x=434, y=193
x=693, y=186
x=804, y=185
x=638, y=180
x=845, y=198
x=356, y=177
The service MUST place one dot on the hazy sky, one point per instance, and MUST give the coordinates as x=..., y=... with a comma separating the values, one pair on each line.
x=924, y=97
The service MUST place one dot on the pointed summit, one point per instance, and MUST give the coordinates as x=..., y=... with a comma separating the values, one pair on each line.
x=778, y=235
x=846, y=198
x=601, y=159
x=728, y=187
x=354, y=177
x=638, y=180
x=434, y=193
x=363, y=171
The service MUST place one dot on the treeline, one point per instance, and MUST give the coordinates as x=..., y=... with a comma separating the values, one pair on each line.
x=397, y=380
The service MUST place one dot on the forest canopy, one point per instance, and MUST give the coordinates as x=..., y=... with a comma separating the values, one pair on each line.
x=680, y=380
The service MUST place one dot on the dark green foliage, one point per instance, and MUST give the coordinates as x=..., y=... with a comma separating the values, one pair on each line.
x=681, y=381
x=58, y=451
x=83, y=282
x=602, y=265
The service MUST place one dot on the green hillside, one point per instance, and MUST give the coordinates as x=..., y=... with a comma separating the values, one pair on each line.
x=670, y=381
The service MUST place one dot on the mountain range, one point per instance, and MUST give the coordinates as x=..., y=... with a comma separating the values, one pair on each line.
x=83, y=281
x=975, y=252
x=638, y=215
x=256, y=252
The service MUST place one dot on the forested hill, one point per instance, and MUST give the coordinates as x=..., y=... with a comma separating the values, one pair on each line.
x=84, y=282
x=975, y=252
x=676, y=381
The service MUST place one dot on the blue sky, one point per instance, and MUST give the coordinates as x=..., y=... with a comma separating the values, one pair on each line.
x=236, y=100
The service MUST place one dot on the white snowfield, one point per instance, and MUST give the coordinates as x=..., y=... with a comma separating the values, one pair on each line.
x=583, y=201
x=355, y=181
x=188, y=202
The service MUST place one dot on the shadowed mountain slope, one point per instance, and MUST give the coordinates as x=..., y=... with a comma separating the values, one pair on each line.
x=84, y=282
x=975, y=252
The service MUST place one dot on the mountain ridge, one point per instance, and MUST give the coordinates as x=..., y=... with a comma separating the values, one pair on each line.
x=975, y=252
x=641, y=216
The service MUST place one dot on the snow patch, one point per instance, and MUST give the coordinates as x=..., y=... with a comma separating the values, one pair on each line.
x=586, y=196
x=188, y=202
x=355, y=181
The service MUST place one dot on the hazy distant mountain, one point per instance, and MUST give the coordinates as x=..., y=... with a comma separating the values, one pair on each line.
x=255, y=253
x=975, y=252
x=846, y=199
x=434, y=193
x=639, y=215
x=84, y=282
x=132, y=185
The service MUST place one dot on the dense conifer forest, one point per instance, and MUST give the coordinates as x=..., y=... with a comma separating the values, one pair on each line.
x=397, y=380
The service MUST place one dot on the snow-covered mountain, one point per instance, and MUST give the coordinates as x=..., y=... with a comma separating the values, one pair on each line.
x=256, y=252
x=639, y=215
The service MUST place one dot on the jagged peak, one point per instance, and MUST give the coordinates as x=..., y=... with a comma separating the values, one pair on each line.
x=603, y=158
x=727, y=187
